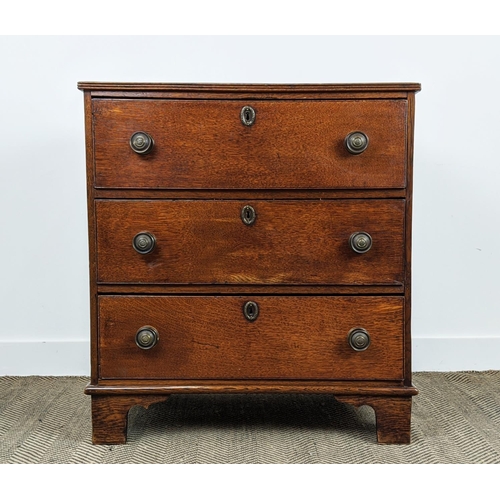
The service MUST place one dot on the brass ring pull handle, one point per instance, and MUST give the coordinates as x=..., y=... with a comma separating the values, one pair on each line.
x=141, y=143
x=360, y=242
x=146, y=337
x=359, y=339
x=248, y=215
x=247, y=115
x=144, y=243
x=356, y=142
x=251, y=310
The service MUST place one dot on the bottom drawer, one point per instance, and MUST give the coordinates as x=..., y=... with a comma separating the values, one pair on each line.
x=279, y=337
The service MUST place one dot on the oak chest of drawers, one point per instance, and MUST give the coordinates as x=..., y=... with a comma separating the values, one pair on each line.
x=250, y=238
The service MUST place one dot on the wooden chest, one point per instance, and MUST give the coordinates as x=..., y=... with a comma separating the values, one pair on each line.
x=250, y=238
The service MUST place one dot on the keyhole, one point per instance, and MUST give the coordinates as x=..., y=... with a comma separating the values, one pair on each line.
x=248, y=215
x=247, y=115
x=251, y=311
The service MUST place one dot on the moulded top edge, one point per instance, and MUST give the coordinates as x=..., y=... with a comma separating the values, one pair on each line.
x=231, y=87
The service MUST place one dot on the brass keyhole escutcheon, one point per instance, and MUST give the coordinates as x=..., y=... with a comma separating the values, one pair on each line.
x=247, y=115
x=248, y=215
x=251, y=310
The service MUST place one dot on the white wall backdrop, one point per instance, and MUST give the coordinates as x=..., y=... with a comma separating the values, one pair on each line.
x=44, y=325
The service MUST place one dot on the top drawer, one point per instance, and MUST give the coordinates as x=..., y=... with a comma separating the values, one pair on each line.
x=291, y=144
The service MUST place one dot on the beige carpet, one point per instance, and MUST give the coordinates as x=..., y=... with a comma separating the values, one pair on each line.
x=456, y=419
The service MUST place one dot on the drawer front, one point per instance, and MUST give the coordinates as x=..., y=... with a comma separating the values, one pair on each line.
x=289, y=242
x=291, y=144
x=210, y=338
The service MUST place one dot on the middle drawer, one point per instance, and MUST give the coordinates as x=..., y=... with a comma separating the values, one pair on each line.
x=254, y=242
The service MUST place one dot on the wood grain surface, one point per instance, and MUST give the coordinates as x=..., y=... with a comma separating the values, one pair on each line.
x=393, y=416
x=381, y=89
x=292, y=144
x=291, y=242
x=294, y=337
x=109, y=416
